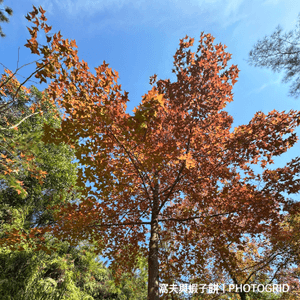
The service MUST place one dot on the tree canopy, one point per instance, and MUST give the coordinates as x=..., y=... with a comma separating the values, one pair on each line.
x=67, y=272
x=174, y=171
x=280, y=52
x=4, y=12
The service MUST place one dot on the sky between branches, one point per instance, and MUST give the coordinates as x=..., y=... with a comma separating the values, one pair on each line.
x=139, y=38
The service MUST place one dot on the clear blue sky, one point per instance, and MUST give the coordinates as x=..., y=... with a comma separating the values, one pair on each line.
x=139, y=38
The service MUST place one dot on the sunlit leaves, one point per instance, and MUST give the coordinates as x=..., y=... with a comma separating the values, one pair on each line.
x=174, y=162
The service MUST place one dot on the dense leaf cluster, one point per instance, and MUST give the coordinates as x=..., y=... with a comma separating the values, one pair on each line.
x=67, y=272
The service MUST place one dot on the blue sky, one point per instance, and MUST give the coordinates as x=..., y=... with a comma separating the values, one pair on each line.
x=139, y=38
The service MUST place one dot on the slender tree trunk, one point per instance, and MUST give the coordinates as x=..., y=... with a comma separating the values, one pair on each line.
x=153, y=265
x=243, y=295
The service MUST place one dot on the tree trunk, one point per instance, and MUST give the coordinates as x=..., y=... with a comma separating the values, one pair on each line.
x=153, y=265
x=243, y=295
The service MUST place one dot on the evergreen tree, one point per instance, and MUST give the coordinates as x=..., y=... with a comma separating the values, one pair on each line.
x=67, y=272
x=280, y=52
x=3, y=16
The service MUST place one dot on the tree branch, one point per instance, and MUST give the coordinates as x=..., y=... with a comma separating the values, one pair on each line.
x=194, y=218
x=19, y=122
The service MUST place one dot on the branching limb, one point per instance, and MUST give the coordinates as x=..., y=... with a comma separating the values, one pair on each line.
x=14, y=126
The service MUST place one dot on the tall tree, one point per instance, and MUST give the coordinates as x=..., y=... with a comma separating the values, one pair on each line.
x=280, y=52
x=174, y=169
x=22, y=210
x=17, y=104
x=67, y=273
x=3, y=16
x=263, y=259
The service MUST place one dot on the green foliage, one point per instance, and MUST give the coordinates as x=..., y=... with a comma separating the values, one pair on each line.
x=3, y=16
x=133, y=286
x=53, y=161
x=30, y=275
x=280, y=52
x=68, y=272
x=20, y=145
x=21, y=276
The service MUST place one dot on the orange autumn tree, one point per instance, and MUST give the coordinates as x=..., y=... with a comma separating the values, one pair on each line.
x=174, y=169
x=257, y=261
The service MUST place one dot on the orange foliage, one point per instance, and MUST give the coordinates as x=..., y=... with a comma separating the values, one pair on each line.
x=174, y=168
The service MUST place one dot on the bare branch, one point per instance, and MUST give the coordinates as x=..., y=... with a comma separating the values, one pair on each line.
x=195, y=218
x=12, y=127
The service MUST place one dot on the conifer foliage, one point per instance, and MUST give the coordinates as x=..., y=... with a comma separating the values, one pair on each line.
x=280, y=52
x=4, y=13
